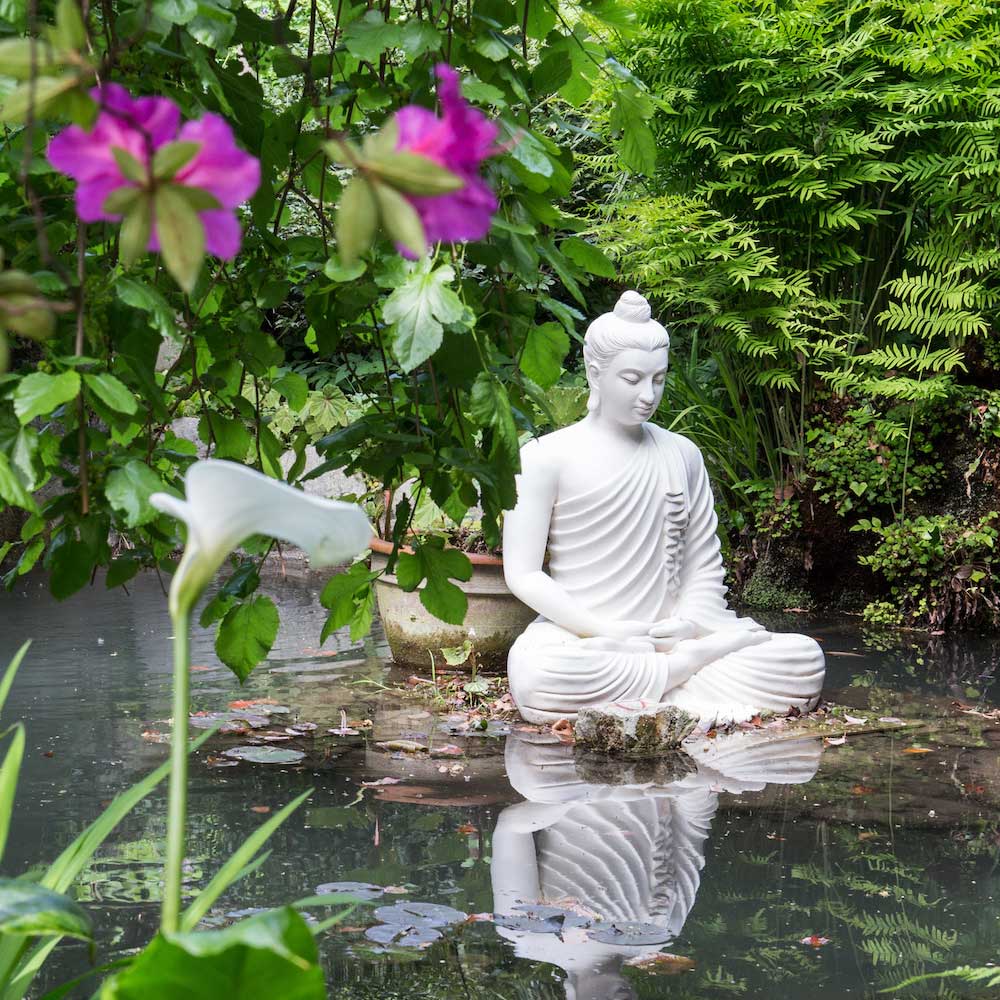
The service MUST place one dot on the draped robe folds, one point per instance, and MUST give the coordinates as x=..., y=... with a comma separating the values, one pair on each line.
x=643, y=546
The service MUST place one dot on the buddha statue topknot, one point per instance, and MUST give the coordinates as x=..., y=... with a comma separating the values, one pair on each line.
x=632, y=604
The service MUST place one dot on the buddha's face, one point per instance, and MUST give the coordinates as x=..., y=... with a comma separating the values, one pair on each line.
x=631, y=386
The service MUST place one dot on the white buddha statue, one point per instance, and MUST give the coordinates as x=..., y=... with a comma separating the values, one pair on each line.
x=632, y=604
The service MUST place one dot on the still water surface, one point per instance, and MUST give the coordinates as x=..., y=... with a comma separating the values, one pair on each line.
x=885, y=864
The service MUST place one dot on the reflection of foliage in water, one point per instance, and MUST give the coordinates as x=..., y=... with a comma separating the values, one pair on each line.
x=132, y=873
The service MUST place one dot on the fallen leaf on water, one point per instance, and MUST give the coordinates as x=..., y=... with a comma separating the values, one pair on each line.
x=854, y=720
x=774, y=836
x=260, y=809
x=661, y=964
x=448, y=750
x=815, y=941
x=49, y=753
x=889, y=718
x=396, y=890
x=468, y=828
x=381, y=781
x=564, y=730
x=757, y=721
x=973, y=789
x=199, y=669
x=251, y=702
x=155, y=736
x=867, y=835
x=478, y=918
x=917, y=750
x=403, y=746
x=840, y=652
x=221, y=762
x=862, y=790
x=838, y=741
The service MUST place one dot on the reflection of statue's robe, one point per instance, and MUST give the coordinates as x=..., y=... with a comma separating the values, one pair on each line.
x=630, y=853
x=643, y=546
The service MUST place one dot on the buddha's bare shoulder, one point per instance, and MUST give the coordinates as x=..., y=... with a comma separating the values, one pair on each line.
x=548, y=456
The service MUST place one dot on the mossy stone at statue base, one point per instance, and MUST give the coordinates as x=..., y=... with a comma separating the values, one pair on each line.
x=634, y=729
x=776, y=583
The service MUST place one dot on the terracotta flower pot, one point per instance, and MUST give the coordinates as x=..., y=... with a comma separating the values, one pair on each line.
x=497, y=616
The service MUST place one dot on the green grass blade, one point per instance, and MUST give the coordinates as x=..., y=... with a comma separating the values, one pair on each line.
x=8, y=782
x=10, y=673
x=238, y=861
x=73, y=860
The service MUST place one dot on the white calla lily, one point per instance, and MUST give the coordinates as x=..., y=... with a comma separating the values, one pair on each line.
x=226, y=502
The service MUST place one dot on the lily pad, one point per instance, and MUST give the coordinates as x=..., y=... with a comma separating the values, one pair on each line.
x=541, y=919
x=362, y=890
x=417, y=934
x=431, y=913
x=209, y=720
x=265, y=755
x=630, y=934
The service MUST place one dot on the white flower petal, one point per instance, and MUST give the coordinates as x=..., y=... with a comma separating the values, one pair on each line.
x=227, y=502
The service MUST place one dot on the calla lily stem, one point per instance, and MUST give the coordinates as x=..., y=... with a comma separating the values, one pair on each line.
x=177, y=809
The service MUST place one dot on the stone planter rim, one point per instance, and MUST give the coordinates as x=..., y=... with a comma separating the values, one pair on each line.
x=384, y=547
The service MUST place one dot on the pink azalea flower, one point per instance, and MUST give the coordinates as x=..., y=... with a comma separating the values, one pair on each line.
x=140, y=126
x=459, y=141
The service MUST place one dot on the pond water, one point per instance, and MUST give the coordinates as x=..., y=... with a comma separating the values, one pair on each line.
x=787, y=870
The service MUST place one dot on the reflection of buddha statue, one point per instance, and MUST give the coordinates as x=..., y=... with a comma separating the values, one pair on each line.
x=626, y=853
x=633, y=604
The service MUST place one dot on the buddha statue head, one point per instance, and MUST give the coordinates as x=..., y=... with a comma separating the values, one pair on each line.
x=625, y=353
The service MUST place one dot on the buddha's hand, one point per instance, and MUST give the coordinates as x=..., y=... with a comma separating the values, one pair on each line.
x=667, y=632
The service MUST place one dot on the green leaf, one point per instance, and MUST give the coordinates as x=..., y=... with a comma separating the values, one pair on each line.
x=214, y=24
x=490, y=407
x=112, y=392
x=544, y=350
x=419, y=37
x=27, y=908
x=400, y=219
x=198, y=198
x=552, y=72
x=414, y=174
x=588, y=257
x=9, y=773
x=418, y=311
x=630, y=119
x=70, y=569
x=492, y=46
x=132, y=168
x=12, y=490
x=294, y=388
x=171, y=156
x=121, y=571
x=269, y=955
x=247, y=634
x=181, y=234
x=337, y=271
x=143, y=296
x=369, y=36
x=437, y=565
x=133, y=241
x=232, y=439
x=128, y=490
x=18, y=55
x=176, y=11
x=357, y=220
x=531, y=154
x=70, y=31
x=121, y=200
x=343, y=596
x=43, y=91
x=39, y=393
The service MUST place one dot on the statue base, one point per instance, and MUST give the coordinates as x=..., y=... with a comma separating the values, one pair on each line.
x=634, y=729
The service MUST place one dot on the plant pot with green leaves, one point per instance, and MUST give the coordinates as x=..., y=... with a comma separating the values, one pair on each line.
x=493, y=617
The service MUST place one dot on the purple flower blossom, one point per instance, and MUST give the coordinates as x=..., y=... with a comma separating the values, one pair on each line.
x=140, y=126
x=459, y=141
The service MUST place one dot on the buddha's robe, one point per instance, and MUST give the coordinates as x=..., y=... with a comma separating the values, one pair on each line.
x=643, y=546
